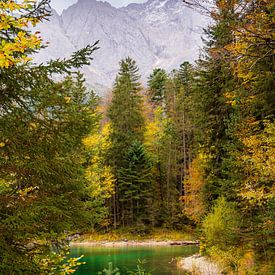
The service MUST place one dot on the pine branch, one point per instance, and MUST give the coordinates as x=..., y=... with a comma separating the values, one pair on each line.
x=76, y=61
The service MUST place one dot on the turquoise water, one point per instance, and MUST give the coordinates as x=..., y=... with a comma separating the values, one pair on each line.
x=157, y=260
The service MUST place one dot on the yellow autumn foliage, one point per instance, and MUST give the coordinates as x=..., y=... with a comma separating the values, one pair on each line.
x=98, y=174
x=258, y=162
x=193, y=198
x=15, y=45
x=101, y=181
x=253, y=38
x=154, y=130
x=2, y=144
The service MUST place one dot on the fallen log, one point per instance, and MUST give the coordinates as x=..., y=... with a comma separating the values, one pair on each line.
x=185, y=243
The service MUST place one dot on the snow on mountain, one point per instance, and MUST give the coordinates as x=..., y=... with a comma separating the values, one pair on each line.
x=158, y=33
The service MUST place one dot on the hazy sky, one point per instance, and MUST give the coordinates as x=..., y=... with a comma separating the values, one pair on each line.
x=59, y=5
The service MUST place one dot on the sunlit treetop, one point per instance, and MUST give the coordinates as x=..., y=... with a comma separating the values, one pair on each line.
x=16, y=41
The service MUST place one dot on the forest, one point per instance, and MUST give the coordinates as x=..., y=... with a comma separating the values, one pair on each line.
x=193, y=148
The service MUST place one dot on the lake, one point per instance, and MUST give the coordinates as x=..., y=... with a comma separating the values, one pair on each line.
x=158, y=260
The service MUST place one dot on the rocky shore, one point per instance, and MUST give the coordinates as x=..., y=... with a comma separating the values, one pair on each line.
x=199, y=265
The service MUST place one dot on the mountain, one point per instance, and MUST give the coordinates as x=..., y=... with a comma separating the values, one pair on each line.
x=158, y=33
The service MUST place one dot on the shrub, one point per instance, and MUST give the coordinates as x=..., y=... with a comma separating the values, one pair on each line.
x=221, y=227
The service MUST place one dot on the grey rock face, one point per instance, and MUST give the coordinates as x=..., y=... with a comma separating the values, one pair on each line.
x=159, y=33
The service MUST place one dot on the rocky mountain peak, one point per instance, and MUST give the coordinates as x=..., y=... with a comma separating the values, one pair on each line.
x=158, y=33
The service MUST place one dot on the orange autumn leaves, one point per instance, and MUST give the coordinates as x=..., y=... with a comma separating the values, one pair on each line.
x=16, y=41
x=193, y=199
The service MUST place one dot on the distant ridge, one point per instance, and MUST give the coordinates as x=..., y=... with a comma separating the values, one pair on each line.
x=159, y=33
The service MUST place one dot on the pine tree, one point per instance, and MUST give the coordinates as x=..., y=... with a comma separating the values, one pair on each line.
x=172, y=154
x=214, y=119
x=252, y=57
x=156, y=85
x=127, y=127
x=136, y=188
x=233, y=101
x=42, y=124
x=125, y=112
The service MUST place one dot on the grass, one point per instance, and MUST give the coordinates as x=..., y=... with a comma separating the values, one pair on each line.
x=129, y=234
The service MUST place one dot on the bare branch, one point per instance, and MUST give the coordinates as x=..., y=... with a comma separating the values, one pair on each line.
x=204, y=7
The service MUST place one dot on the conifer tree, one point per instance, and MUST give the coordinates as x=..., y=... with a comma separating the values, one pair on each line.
x=127, y=124
x=42, y=125
x=252, y=58
x=156, y=85
x=125, y=112
x=214, y=119
x=173, y=151
x=136, y=188
x=233, y=103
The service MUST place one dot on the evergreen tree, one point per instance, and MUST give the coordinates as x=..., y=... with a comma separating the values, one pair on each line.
x=214, y=119
x=173, y=151
x=42, y=125
x=136, y=188
x=233, y=105
x=127, y=124
x=252, y=56
x=156, y=85
x=125, y=112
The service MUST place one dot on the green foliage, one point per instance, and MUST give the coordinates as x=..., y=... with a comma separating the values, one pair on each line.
x=221, y=227
x=168, y=139
x=42, y=185
x=233, y=117
x=156, y=85
x=185, y=74
x=203, y=145
x=221, y=231
x=211, y=127
x=41, y=169
x=135, y=187
x=125, y=112
x=110, y=271
x=115, y=271
x=140, y=269
x=126, y=154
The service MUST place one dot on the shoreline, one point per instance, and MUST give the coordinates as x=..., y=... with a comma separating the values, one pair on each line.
x=197, y=264
x=134, y=243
